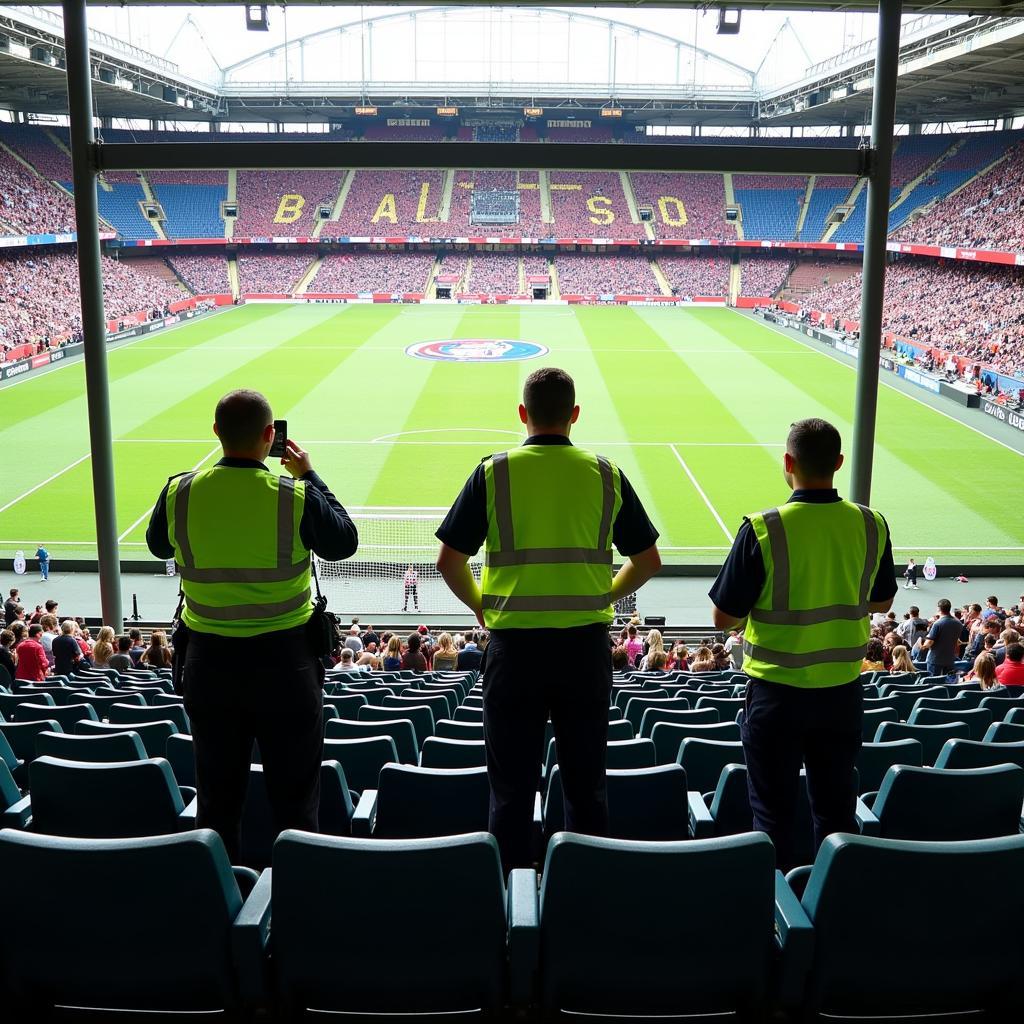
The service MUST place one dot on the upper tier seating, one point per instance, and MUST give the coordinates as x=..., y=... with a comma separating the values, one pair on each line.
x=770, y=204
x=391, y=203
x=283, y=203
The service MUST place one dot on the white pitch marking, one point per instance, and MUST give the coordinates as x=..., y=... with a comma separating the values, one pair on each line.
x=700, y=491
x=584, y=441
x=449, y=430
x=149, y=511
x=49, y=479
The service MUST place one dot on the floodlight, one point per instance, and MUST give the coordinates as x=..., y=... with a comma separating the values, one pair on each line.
x=256, y=18
x=728, y=21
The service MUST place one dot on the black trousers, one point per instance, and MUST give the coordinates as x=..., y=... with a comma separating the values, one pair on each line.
x=531, y=675
x=786, y=728
x=266, y=689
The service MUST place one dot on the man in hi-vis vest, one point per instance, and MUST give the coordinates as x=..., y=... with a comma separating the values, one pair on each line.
x=547, y=515
x=805, y=576
x=241, y=537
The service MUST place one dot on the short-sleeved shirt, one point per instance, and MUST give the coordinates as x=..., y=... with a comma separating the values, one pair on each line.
x=743, y=576
x=465, y=526
x=944, y=634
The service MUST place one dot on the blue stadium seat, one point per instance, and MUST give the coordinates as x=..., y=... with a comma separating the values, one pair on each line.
x=361, y=759
x=68, y=715
x=420, y=715
x=875, y=759
x=668, y=737
x=153, y=734
x=703, y=761
x=977, y=720
x=972, y=754
x=931, y=737
x=399, y=729
x=115, y=746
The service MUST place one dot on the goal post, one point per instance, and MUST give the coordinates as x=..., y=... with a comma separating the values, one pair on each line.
x=392, y=540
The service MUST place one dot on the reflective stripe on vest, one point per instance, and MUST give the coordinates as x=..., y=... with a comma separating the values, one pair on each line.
x=519, y=609
x=842, y=628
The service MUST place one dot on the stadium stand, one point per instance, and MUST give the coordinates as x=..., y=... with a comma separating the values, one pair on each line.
x=203, y=273
x=274, y=273
x=391, y=203
x=696, y=275
x=28, y=204
x=770, y=204
x=191, y=201
x=828, y=192
x=763, y=275
x=590, y=204
x=348, y=273
x=585, y=274
x=684, y=205
x=283, y=203
x=494, y=273
x=119, y=206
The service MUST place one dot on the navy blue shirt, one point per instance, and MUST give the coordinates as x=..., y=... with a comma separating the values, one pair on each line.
x=465, y=526
x=325, y=527
x=743, y=576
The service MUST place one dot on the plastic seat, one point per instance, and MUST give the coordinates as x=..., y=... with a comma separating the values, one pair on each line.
x=1001, y=706
x=10, y=701
x=931, y=737
x=259, y=830
x=453, y=695
x=703, y=761
x=421, y=716
x=972, y=754
x=875, y=759
x=153, y=734
x=453, y=888
x=444, y=753
x=465, y=714
x=414, y=803
x=619, y=729
x=668, y=737
x=102, y=702
x=67, y=715
x=643, y=804
x=945, y=805
x=15, y=809
x=636, y=706
x=361, y=759
x=106, y=800
x=920, y=897
x=727, y=707
x=450, y=729
x=626, y=754
x=181, y=755
x=977, y=720
x=400, y=730
x=438, y=703
x=115, y=746
x=684, y=904
x=1015, y=716
x=373, y=694
x=1005, y=732
x=873, y=718
x=158, y=901
x=653, y=714
x=21, y=736
x=166, y=700
x=120, y=713
x=346, y=704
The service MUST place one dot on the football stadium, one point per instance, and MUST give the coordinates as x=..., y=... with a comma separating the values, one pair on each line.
x=320, y=630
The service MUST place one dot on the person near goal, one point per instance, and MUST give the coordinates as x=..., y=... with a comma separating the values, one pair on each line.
x=547, y=515
x=241, y=537
x=410, y=585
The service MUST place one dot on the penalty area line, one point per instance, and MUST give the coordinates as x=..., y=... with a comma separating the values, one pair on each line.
x=700, y=491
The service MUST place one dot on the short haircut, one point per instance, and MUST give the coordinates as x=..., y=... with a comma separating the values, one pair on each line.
x=815, y=446
x=994, y=600
x=51, y=605
x=34, y=630
x=14, y=591
x=549, y=395
x=124, y=644
x=944, y=606
x=135, y=634
x=67, y=627
x=975, y=607
x=241, y=418
x=48, y=621
x=1015, y=652
x=914, y=610
x=414, y=642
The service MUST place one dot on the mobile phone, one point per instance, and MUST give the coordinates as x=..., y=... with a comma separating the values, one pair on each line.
x=277, y=449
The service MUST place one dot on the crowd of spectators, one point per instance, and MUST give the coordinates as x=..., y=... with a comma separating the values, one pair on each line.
x=988, y=213
x=363, y=649
x=403, y=133
x=39, y=297
x=275, y=273
x=267, y=203
x=696, y=275
x=973, y=310
x=586, y=274
x=29, y=205
x=536, y=266
x=453, y=264
x=203, y=273
x=388, y=203
x=38, y=148
x=494, y=273
x=586, y=204
x=348, y=273
x=684, y=205
x=763, y=275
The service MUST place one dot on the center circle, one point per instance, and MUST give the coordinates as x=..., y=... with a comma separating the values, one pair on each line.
x=476, y=350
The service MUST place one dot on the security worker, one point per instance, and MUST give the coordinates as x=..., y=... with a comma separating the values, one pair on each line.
x=547, y=515
x=805, y=576
x=241, y=537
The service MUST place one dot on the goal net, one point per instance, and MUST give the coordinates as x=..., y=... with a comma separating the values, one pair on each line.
x=392, y=541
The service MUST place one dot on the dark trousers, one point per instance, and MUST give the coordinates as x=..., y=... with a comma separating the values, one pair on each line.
x=266, y=689
x=786, y=728
x=531, y=675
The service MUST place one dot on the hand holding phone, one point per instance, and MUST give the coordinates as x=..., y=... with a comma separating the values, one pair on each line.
x=279, y=446
x=295, y=460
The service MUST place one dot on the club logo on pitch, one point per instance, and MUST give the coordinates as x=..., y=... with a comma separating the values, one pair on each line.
x=476, y=350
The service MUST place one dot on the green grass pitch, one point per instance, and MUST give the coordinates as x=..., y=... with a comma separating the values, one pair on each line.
x=692, y=404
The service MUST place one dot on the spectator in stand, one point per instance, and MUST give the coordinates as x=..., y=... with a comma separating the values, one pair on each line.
x=349, y=273
x=49, y=634
x=348, y=661
x=137, y=649
x=271, y=273
x=684, y=205
x=445, y=657
x=413, y=658
x=941, y=642
x=703, y=660
x=103, y=649
x=691, y=276
x=679, y=658
x=992, y=610
x=901, y=660
x=66, y=653
x=471, y=656
x=203, y=274
x=620, y=659
x=159, y=653
x=874, y=658
x=393, y=655
x=353, y=642
x=984, y=672
x=122, y=660
x=634, y=646
x=11, y=605
x=1011, y=672
x=594, y=274
x=763, y=276
x=654, y=645
x=8, y=659
x=32, y=665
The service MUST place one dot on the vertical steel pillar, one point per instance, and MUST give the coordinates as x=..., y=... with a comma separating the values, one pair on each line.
x=90, y=280
x=876, y=228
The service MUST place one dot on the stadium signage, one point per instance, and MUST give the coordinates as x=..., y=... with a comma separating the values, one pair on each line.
x=447, y=111
x=921, y=380
x=570, y=124
x=41, y=360
x=17, y=368
x=611, y=111
x=533, y=111
x=408, y=122
x=476, y=350
x=365, y=111
x=1004, y=415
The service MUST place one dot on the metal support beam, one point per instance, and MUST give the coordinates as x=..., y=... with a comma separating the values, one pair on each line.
x=481, y=155
x=94, y=328
x=876, y=228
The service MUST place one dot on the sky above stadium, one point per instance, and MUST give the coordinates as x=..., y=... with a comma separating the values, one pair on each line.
x=200, y=40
